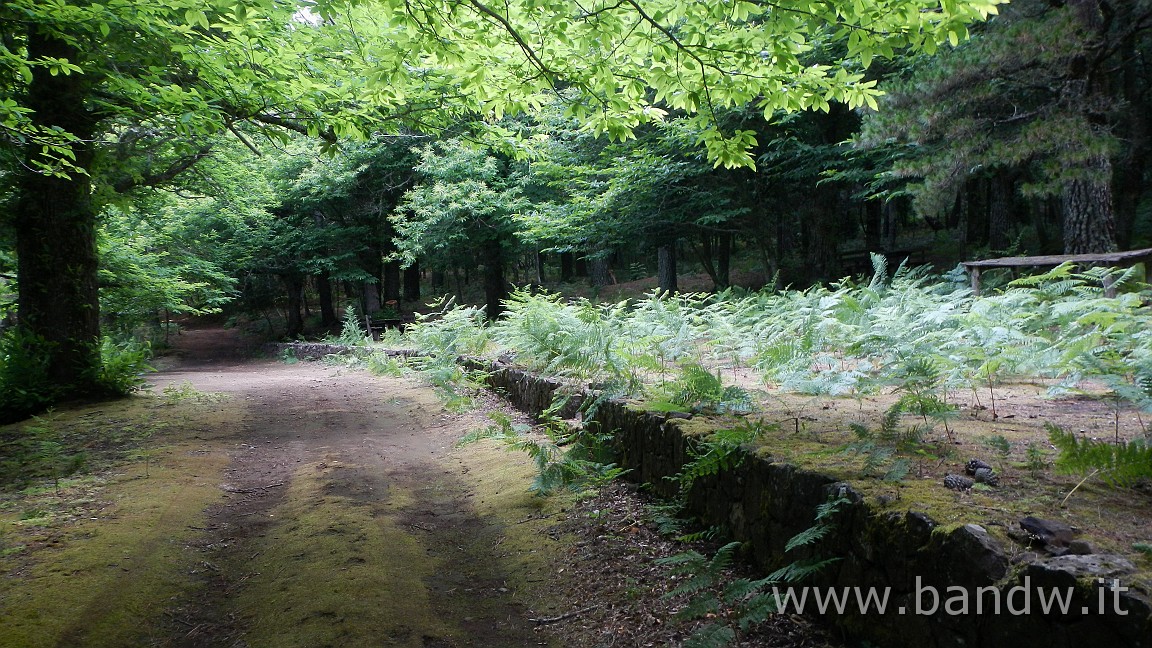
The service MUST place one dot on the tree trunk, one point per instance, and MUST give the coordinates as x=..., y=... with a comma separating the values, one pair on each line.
x=370, y=298
x=495, y=285
x=1089, y=225
x=705, y=253
x=567, y=266
x=438, y=280
x=55, y=227
x=999, y=210
x=873, y=225
x=327, y=307
x=821, y=254
x=599, y=271
x=412, y=283
x=294, y=284
x=666, y=268
x=392, y=281
x=724, y=261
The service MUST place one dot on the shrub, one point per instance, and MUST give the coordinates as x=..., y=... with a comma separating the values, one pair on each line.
x=122, y=365
x=24, y=384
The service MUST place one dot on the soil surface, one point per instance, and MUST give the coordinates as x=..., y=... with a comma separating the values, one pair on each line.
x=374, y=458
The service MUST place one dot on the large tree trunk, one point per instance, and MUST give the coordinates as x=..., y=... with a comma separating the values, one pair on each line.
x=724, y=261
x=1089, y=220
x=391, y=281
x=55, y=227
x=567, y=266
x=999, y=210
x=666, y=268
x=599, y=270
x=370, y=297
x=1089, y=225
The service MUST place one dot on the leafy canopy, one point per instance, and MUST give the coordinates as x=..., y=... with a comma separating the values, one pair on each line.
x=349, y=67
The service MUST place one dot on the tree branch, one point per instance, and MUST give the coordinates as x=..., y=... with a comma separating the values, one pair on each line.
x=527, y=49
x=176, y=168
x=328, y=135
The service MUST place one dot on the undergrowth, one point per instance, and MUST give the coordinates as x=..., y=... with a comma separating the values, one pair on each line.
x=924, y=336
x=732, y=607
x=1118, y=464
x=567, y=457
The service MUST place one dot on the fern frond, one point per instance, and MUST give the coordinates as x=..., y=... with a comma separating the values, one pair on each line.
x=1121, y=464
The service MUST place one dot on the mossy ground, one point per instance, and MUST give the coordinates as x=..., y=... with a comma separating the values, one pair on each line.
x=96, y=563
x=311, y=507
x=814, y=433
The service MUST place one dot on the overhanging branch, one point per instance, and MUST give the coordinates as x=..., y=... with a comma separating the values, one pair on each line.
x=167, y=175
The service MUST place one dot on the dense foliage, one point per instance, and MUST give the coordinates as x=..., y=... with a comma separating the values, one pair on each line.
x=917, y=334
x=267, y=156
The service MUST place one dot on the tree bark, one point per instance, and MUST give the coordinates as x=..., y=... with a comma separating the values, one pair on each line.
x=599, y=271
x=370, y=294
x=412, y=283
x=392, y=281
x=495, y=285
x=724, y=261
x=1089, y=225
x=999, y=210
x=666, y=268
x=567, y=266
x=294, y=284
x=705, y=253
x=55, y=227
x=873, y=225
x=327, y=307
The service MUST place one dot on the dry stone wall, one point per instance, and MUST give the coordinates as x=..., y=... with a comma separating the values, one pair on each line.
x=904, y=556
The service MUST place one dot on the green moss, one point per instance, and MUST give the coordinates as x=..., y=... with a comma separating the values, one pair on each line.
x=500, y=480
x=104, y=582
x=96, y=562
x=336, y=572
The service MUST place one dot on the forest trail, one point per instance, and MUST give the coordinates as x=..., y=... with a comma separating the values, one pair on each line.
x=338, y=514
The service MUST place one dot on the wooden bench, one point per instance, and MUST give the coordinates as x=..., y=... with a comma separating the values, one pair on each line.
x=1129, y=258
x=391, y=317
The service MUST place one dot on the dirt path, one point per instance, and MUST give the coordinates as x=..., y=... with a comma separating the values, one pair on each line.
x=294, y=505
x=346, y=519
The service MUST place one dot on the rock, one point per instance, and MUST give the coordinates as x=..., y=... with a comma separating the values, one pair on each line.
x=1068, y=569
x=1080, y=548
x=983, y=556
x=986, y=476
x=975, y=465
x=958, y=482
x=1047, y=532
x=1025, y=558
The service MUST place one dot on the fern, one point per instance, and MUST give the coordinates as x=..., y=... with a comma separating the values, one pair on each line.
x=741, y=603
x=565, y=458
x=720, y=451
x=699, y=390
x=351, y=332
x=1118, y=464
